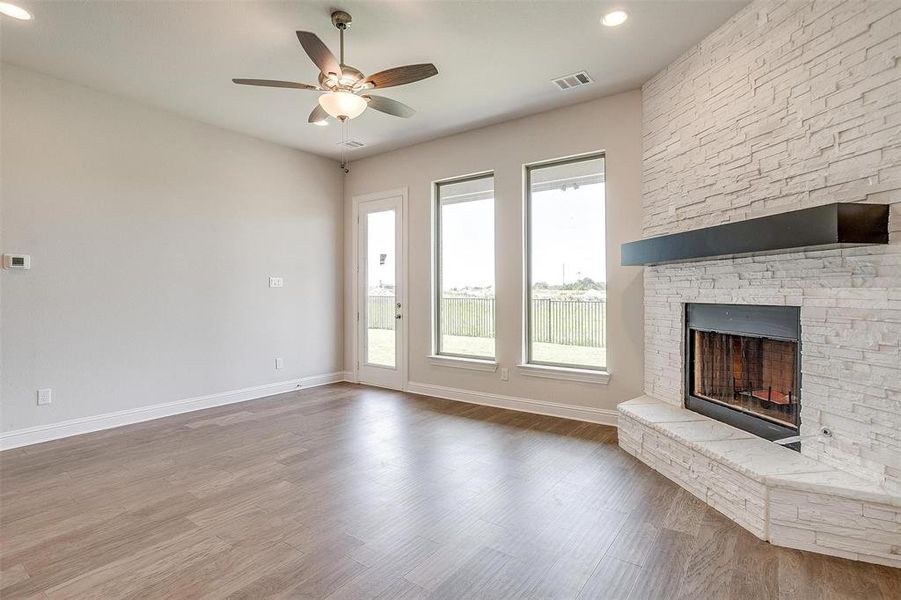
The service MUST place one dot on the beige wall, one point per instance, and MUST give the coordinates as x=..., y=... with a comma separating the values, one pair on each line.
x=612, y=124
x=152, y=239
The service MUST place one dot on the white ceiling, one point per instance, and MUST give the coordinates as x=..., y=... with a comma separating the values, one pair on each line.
x=495, y=59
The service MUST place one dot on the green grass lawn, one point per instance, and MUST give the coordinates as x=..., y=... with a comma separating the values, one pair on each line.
x=574, y=355
x=381, y=350
x=381, y=347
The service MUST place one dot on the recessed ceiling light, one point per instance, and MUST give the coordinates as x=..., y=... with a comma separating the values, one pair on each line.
x=16, y=12
x=614, y=18
x=321, y=123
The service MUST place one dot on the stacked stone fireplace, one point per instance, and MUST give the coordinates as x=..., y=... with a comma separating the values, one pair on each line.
x=789, y=105
x=850, y=356
x=842, y=495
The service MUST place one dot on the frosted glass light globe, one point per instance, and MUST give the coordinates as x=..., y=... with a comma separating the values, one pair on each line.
x=342, y=105
x=16, y=12
x=614, y=18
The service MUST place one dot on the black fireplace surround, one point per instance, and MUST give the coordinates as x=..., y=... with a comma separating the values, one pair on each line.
x=743, y=367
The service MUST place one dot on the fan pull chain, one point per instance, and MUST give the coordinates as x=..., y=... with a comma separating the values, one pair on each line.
x=345, y=126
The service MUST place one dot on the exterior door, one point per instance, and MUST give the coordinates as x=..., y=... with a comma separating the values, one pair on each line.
x=380, y=287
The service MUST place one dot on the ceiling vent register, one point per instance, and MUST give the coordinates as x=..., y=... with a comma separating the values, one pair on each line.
x=575, y=80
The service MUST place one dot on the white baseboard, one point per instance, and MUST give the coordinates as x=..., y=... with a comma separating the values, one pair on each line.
x=55, y=431
x=603, y=416
x=324, y=379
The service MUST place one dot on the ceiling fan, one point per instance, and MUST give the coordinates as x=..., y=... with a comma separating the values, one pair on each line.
x=346, y=88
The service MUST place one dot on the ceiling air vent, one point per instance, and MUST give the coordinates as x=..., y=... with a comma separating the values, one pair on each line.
x=352, y=144
x=575, y=80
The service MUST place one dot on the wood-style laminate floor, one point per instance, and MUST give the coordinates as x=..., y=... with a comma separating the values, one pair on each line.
x=352, y=492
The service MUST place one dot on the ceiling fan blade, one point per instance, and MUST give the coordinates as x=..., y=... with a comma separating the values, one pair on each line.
x=402, y=75
x=390, y=107
x=317, y=115
x=319, y=53
x=276, y=83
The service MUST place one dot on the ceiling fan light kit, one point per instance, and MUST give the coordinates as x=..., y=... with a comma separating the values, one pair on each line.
x=615, y=18
x=16, y=12
x=342, y=105
x=345, y=88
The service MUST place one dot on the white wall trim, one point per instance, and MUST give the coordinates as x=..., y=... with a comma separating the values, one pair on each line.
x=603, y=416
x=62, y=429
x=565, y=373
x=324, y=379
x=456, y=362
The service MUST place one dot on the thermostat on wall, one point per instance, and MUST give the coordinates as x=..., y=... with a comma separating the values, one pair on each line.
x=16, y=261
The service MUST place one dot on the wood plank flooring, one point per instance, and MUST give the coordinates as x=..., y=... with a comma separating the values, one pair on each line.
x=352, y=492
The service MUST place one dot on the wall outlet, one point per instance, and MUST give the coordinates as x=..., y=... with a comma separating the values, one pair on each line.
x=279, y=363
x=505, y=374
x=276, y=282
x=45, y=396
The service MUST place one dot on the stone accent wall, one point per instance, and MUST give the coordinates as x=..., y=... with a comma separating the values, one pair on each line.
x=788, y=105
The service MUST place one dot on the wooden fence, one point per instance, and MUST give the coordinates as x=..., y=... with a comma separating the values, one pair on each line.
x=566, y=322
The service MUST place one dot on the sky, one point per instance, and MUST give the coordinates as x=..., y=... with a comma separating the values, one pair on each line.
x=380, y=241
x=568, y=237
x=467, y=240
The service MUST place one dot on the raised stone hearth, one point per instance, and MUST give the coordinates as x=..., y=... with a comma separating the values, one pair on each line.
x=775, y=493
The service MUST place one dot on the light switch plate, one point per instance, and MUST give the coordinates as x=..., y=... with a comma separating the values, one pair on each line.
x=16, y=261
x=45, y=396
x=279, y=363
x=276, y=282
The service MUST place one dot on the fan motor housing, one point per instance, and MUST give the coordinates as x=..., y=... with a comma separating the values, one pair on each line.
x=349, y=76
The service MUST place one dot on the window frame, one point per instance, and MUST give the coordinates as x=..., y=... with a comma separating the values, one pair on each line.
x=529, y=365
x=453, y=358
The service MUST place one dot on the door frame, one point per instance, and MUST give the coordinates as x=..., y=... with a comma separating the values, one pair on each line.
x=403, y=354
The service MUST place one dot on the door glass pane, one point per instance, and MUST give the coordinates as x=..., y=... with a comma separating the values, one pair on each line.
x=382, y=299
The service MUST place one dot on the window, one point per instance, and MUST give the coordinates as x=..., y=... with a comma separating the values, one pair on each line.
x=566, y=287
x=465, y=268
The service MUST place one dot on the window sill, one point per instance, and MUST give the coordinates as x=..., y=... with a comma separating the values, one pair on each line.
x=473, y=364
x=566, y=374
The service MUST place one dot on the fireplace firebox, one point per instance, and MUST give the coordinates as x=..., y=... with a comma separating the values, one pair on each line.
x=743, y=367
